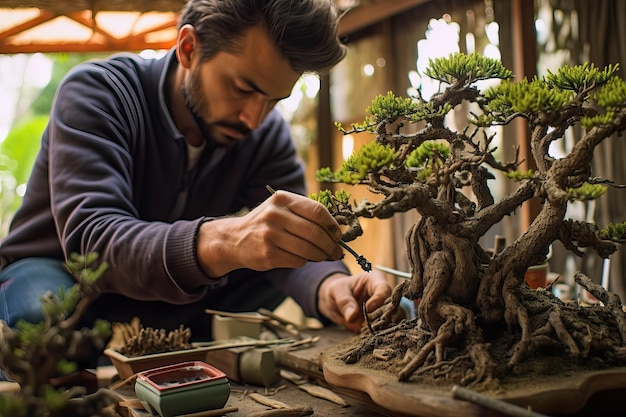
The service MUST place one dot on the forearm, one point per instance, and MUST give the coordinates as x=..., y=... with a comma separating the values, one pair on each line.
x=216, y=247
x=150, y=260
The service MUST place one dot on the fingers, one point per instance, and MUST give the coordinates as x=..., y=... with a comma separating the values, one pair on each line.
x=285, y=231
x=283, y=244
x=309, y=227
x=379, y=292
x=309, y=210
x=341, y=297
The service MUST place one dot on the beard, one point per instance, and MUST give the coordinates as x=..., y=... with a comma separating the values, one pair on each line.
x=198, y=105
x=195, y=100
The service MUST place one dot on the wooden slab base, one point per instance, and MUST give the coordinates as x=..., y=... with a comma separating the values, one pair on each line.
x=566, y=395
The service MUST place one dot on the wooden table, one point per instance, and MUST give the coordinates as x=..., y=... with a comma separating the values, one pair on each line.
x=306, y=362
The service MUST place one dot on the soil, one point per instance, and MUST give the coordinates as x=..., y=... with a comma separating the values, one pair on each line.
x=523, y=381
x=389, y=350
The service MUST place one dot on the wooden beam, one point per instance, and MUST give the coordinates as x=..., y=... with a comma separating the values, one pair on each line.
x=120, y=45
x=43, y=17
x=363, y=16
x=85, y=19
x=134, y=42
x=525, y=66
x=172, y=24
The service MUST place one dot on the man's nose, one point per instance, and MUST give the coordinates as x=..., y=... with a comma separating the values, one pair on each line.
x=254, y=111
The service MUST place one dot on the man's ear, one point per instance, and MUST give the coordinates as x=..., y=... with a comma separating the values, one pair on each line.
x=186, y=44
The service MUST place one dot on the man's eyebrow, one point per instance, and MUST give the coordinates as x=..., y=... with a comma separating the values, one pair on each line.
x=258, y=89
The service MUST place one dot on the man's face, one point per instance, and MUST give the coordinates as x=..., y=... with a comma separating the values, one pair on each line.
x=233, y=92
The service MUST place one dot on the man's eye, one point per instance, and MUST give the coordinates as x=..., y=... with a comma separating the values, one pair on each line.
x=244, y=91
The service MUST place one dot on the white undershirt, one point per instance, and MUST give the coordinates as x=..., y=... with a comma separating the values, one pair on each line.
x=193, y=155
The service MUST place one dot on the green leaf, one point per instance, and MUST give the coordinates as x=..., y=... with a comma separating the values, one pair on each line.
x=467, y=68
x=22, y=144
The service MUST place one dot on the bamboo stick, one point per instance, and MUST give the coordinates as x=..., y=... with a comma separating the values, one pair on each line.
x=492, y=403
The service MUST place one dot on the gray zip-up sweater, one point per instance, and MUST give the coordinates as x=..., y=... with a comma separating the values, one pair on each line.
x=111, y=168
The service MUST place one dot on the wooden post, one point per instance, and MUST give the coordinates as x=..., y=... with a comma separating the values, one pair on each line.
x=525, y=66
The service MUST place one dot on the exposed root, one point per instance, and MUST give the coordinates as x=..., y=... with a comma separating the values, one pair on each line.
x=390, y=311
x=610, y=300
x=462, y=352
x=460, y=324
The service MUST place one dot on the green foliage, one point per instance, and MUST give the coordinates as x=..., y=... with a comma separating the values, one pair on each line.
x=467, y=68
x=390, y=107
x=369, y=158
x=520, y=175
x=430, y=150
x=102, y=327
x=424, y=173
x=54, y=400
x=426, y=111
x=30, y=332
x=82, y=267
x=555, y=91
x=586, y=192
x=383, y=108
x=22, y=144
x=17, y=154
x=616, y=232
x=331, y=201
x=62, y=64
x=325, y=174
x=19, y=148
x=612, y=95
x=11, y=406
x=325, y=197
x=61, y=304
x=550, y=105
x=58, y=306
x=343, y=196
x=428, y=157
x=66, y=367
x=55, y=342
x=603, y=119
x=526, y=97
x=580, y=77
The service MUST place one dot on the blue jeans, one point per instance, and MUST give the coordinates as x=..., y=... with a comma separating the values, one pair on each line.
x=24, y=282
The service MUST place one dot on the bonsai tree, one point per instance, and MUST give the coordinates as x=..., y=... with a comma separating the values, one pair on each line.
x=35, y=354
x=477, y=320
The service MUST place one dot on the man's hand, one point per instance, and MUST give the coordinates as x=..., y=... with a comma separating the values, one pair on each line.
x=285, y=231
x=340, y=297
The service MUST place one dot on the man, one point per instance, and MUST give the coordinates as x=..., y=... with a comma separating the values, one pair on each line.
x=147, y=161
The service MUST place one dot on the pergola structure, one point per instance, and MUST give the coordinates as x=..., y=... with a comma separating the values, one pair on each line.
x=29, y=26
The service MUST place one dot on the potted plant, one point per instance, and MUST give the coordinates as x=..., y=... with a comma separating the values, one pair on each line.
x=37, y=354
x=478, y=323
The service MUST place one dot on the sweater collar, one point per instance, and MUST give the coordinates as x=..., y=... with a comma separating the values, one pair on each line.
x=166, y=64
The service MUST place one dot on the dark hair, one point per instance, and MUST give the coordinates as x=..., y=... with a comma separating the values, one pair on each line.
x=303, y=31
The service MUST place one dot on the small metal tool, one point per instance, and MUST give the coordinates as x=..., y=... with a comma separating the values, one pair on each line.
x=361, y=260
x=401, y=274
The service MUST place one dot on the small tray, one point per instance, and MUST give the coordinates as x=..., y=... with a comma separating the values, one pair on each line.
x=183, y=388
x=127, y=366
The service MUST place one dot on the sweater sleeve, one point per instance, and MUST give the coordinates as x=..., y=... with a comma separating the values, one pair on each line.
x=302, y=284
x=93, y=140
